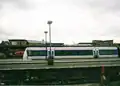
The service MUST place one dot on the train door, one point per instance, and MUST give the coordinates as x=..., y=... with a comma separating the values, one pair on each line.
x=50, y=54
x=96, y=53
x=118, y=51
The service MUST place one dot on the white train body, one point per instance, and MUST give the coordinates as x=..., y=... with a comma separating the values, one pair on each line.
x=69, y=52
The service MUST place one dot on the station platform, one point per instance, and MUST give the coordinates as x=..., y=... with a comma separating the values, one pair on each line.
x=19, y=64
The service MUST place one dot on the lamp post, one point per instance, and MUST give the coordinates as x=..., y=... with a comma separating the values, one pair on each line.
x=50, y=57
x=46, y=41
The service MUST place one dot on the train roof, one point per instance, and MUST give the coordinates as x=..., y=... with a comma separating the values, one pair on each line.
x=68, y=48
x=106, y=47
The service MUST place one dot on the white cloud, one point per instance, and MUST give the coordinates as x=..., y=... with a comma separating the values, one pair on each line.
x=73, y=20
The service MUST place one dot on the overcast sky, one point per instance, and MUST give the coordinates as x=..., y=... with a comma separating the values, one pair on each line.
x=73, y=20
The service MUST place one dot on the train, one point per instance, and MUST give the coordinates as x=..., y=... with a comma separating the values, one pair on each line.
x=32, y=53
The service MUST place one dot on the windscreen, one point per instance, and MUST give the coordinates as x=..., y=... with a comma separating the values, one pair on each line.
x=36, y=52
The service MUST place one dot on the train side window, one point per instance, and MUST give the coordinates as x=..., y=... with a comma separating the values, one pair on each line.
x=73, y=52
x=108, y=52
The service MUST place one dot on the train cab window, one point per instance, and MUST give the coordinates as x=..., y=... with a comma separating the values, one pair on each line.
x=36, y=53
